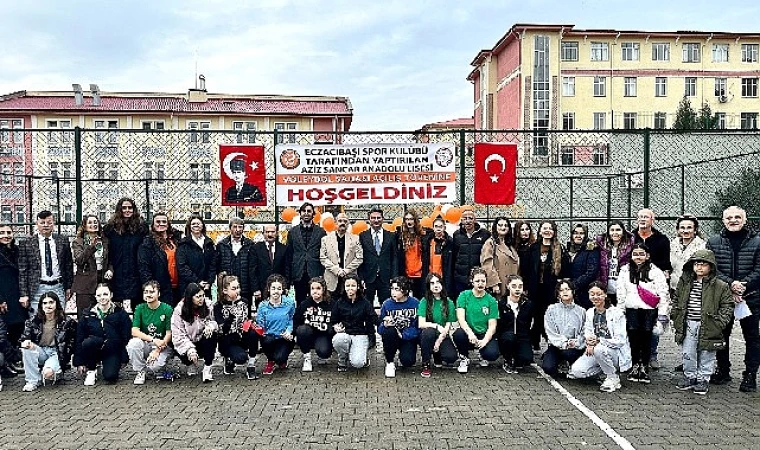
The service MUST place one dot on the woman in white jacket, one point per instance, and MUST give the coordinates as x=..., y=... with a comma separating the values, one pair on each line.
x=643, y=293
x=607, y=348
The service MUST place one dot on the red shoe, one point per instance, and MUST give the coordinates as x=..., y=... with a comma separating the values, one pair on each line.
x=269, y=368
x=425, y=371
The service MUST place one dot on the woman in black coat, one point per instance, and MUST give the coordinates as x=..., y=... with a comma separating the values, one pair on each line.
x=158, y=259
x=14, y=314
x=196, y=256
x=584, y=263
x=102, y=336
x=125, y=232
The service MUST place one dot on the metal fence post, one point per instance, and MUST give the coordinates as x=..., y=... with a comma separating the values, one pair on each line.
x=462, y=171
x=683, y=188
x=148, y=215
x=572, y=188
x=78, y=172
x=609, y=200
x=647, y=155
x=274, y=158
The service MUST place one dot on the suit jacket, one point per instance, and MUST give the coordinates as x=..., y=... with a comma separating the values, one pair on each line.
x=247, y=193
x=261, y=266
x=30, y=264
x=304, y=256
x=86, y=277
x=383, y=266
x=330, y=258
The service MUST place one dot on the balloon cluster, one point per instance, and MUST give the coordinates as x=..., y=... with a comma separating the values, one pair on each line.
x=325, y=220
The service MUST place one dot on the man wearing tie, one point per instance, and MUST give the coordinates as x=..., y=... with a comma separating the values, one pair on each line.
x=302, y=254
x=45, y=264
x=341, y=254
x=379, y=263
x=268, y=258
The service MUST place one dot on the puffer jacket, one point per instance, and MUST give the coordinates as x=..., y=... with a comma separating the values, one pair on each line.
x=717, y=304
x=195, y=264
x=239, y=265
x=624, y=256
x=746, y=267
x=680, y=254
x=467, y=252
x=65, y=337
x=584, y=268
x=628, y=293
x=115, y=328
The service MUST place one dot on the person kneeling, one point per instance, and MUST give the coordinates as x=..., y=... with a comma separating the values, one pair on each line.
x=275, y=316
x=151, y=333
x=238, y=340
x=398, y=326
x=564, y=327
x=194, y=331
x=353, y=319
x=607, y=348
x=477, y=313
x=513, y=327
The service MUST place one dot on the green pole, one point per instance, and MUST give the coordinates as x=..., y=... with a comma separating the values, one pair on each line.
x=462, y=169
x=647, y=156
x=609, y=200
x=78, y=171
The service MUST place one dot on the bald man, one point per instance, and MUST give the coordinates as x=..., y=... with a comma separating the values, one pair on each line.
x=340, y=253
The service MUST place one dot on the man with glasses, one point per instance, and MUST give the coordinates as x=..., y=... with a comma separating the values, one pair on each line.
x=302, y=252
x=468, y=242
x=341, y=254
x=379, y=262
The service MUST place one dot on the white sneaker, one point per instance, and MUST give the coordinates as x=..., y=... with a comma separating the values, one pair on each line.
x=390, y=370
x=127, y=305
x=306, y=363
x=192, y=370
x=464, y=364
x=89, y=380
x=140, y=377
x=484, y=363
x=208, y=374
x=611, y=384
x=29, y=387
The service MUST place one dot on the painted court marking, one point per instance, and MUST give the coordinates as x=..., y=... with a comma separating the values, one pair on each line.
x=608, y=430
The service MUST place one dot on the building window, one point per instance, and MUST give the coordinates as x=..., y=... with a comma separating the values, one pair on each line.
x=569, y=51
x=68, y=213
x=568, y=86
x=660, y=120
x=55, y=137
x=690, y=86
x=749, y=121
x=660, y=86
x=600, y=51
x=18, y=171
x=600, y=120
x=5, y=174
x=18, y=136
x=5, y=134
x=720, y=87
x=153, y=125
x=196, y=137
x=691, y=52
x=629, y=87
x=541, y=95
x=629, y=121
x=600, y=86
x=206, y=167
x=661, y=52
x=20, y=214
x=568, y=121
x=103, y=212
x=195, y=173
x=287, y=138
x=7, y=214
x=749, y=53
x=102, y=136
x=245, y=132
x=630, y=51
x=67, y=177
x=107, y=172
x=721, y=118
x=749, y=87
x=720, y=53
x=195, y=208
x=207, y=211
x=155, y=171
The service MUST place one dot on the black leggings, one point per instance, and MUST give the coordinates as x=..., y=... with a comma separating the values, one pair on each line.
x=639, y=323
x=309, y=338
x=95, y=350
x=277, y=348
x=490, y=352
x=446, y=353
x=238, y=348
x=206, y=348
x=406, y=348
x=515, y=350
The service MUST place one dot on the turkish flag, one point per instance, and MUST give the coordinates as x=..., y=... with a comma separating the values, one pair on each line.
x=495, y=173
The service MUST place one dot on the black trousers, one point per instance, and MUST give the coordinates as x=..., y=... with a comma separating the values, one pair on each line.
x=95, y=350
x=378, y=287
x=751, y=332
x=406, y=348
x=490, y=352
x=447, y=352
x=515, y=350
x=206, y=348
x=238, y=348
x=553, y=356
x=309, y=338
x=276, y=348
x=639, y=323
x=302, y=288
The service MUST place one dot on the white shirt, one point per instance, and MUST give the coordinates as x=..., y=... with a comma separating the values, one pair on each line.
x=236, y=245
x=53, y=254
x=199, y=240
x=379, y=235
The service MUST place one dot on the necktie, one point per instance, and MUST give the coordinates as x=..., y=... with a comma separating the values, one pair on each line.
x=48, y=258
x=377, y=242
x=271, y=254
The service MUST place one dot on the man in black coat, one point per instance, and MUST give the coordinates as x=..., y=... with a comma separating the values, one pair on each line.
x=737, y=253
x=233, y=255
x=379, y=252
x=302, y=252
x=267, y=257
x=468, y=243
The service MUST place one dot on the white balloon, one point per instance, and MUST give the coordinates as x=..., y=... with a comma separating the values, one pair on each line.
x=325, y=216
x=296, y=220
x=445, y=208
x=451, y=228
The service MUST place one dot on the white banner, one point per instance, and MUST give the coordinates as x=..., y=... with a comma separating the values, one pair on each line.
x=365, y=174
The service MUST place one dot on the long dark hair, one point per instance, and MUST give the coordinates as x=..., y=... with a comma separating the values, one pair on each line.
x=121, y=224
x=359, y=287
x=640, y=273
x=410, y=238
x=188, y=306
x=430, y=297
x=172, y=234
x=624, y=239
x=60, y=316
x=519, y=242
x=509, y=238
x=554, y=246
x=12, y=247
x=190, y=219
x=325, y=293
x=275, y=278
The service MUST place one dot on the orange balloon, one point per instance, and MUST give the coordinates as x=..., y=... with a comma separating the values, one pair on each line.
x=329, y=224
x=453, y=214
x=288, y=214
x=437, y=213
x=389, y=227
x=397, y=222
x=426, y=222
x=359, y=226
x=317, y=217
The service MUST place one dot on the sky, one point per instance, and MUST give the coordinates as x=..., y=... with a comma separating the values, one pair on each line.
x=403, y=64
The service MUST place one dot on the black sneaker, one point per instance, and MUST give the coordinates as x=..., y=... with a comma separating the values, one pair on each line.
x=251, y=374
x=720, y=377
x=633, y=375
x=701, y=388
x=749, y=382
x=644, y=376
x=678, y=368
x=686, y=384
x=229, y=366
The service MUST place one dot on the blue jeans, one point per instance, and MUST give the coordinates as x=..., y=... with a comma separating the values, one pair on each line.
x=47, y=357
x=697, y=365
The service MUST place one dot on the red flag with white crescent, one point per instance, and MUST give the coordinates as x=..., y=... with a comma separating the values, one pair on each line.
x=495, y=173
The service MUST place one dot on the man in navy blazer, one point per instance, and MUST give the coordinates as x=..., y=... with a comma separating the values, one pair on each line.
x=268, y=257
x=378, y=267
x=302, y=252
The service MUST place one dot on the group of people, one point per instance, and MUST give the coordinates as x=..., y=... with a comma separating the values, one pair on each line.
x=600, y=303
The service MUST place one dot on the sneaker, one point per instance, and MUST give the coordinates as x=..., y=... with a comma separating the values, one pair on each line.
x=29, y=387
x=633, y=375
x=438, y=364
x=369, y=361
x=425, y=371
x=229, y=366
x=306, y=363
x=390, y=370
x=678, y=368
x=654, y=364
x=140, y=377
x=208, y=374
x=282, y=366
x=484, y=363
x=686, y=384
x=321, y=361
x=18, y=366
x=701, y=387
x=269, y=368
x=250, y=373
x=342, y=368
x=720, y=377
x=644, y=376
x=89, y=379
x=192, y=370
x=508, y=368
x=611, y=384
x=464, y=364
x=52, y=380
x=749, y=382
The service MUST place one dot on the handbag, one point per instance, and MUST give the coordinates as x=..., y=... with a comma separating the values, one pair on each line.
x=650, y=298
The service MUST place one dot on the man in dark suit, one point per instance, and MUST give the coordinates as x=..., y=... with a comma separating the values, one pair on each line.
x=233, y=255
x=241, y=192
x=379, y=252
x=304, y=242
x=267, y=257
x=45, y=264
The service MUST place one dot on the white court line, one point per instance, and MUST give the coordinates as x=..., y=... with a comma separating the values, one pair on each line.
x=619, y=440
x=738, y=340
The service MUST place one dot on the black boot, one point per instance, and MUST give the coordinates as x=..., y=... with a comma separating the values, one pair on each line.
x=749, y=382
x=720, y=377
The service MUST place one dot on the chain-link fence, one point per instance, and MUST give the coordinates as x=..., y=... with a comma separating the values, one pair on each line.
x=588, y=176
